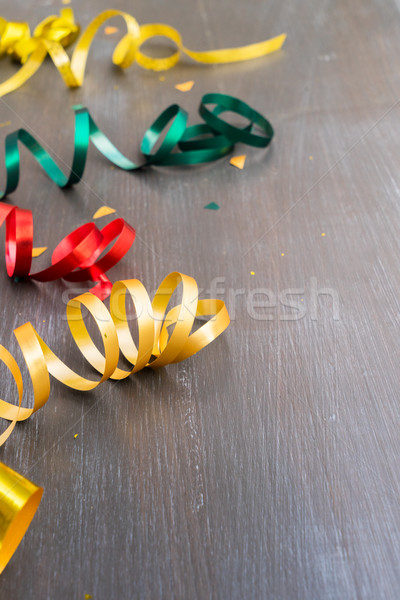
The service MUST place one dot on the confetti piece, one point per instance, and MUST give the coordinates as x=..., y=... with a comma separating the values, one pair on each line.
x=282, y=254
x=38, y=251
x=185, y=87
x=311, y=158
x=110, y=30
x=252, y=273
x=103, y=211
x=323, y=234
x=238, y=161
x=66, y=1
x=76, y=435
x=88, y=597
x=162, y=78
x=5, y=123
x=116, y=87
x=212, y=206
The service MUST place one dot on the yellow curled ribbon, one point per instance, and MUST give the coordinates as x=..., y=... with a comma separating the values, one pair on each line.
x=157, y=346
x=56, y=32
x=19, y=499
x=164, y=336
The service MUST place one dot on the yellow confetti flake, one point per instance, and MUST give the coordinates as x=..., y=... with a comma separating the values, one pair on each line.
x=162, y=78
x=38, y=251
x=66, y=1
x=311, y=158
x=238, y=161
x=5, y=123
x=252, y=273
x=103, y=211
x=282, y=254
x=76, y=435
x=185, y=87
x=323, y=234
x=110, y=30
x=88, y=597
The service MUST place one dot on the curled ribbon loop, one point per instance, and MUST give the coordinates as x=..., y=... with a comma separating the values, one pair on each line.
x=164, y=336
x=16, y=39
x=76, y=257
x=53, y=34
x=179, y=144
x=19, y=500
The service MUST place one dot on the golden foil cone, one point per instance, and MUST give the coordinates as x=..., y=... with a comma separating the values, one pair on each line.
x=19, y=499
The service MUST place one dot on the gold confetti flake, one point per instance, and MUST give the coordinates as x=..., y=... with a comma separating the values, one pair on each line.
x=103, y=211
x=38, y=251
x=110, y=30
x=185, y=87
x=252, y=273
x=238, y=161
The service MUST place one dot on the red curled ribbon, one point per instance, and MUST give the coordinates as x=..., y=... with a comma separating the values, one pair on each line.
x=75, y=258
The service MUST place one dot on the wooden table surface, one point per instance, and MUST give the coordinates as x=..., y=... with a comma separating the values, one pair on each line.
x=267, y=466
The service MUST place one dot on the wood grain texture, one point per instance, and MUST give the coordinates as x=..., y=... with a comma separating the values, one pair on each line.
x=268, y=465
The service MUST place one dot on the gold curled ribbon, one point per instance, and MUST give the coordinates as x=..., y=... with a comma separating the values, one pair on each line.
x=54, y=33
x=157, y=344
x=19, y=499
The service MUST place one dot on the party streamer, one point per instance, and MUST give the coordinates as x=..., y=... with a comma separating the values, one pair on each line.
x=19, y=499
x=158, y=345
x=180, y=145
x=164, y=336
x=56, y=32
x=76, y=257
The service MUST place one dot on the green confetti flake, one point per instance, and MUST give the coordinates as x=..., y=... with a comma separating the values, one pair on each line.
x=212, y=206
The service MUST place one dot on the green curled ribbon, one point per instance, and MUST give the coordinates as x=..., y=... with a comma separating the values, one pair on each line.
x=179, y=144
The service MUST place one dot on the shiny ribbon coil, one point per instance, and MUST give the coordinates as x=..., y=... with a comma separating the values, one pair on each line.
x=53, y=34
x=164, y=336
x=19, y=500
x=179, y=144
x=76, y=257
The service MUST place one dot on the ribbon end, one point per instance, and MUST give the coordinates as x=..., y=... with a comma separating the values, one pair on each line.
x=102, y=289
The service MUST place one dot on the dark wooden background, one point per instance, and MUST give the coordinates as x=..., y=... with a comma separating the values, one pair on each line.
x=268, y=465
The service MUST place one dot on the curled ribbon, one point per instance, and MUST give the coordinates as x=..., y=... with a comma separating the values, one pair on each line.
x=19, y=499
x=54, y=33
x=158, y=345
x=181, y=145
x=76, y=257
